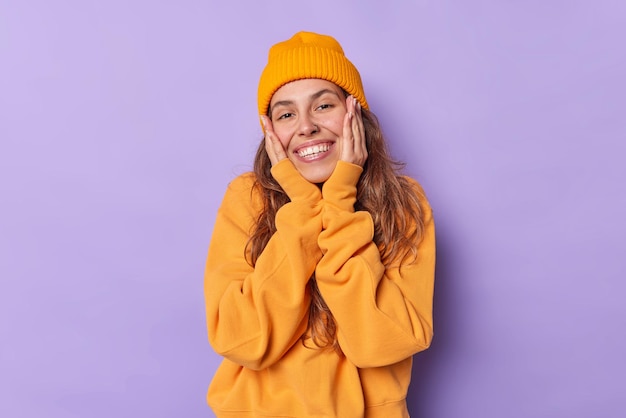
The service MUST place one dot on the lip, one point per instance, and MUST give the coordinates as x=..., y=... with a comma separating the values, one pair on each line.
x=314, y=157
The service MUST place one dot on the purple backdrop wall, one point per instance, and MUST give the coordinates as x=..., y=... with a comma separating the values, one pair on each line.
x=121, y=123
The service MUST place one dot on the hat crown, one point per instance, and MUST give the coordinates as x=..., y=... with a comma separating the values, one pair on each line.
x=307, y=39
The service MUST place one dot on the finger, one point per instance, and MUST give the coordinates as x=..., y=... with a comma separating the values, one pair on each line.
x=273, y=146
x=358, y=132
x=346, y=141
x=359, y=148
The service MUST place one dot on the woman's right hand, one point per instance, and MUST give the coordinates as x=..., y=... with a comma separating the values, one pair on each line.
x=273, y=146
x=289, y=178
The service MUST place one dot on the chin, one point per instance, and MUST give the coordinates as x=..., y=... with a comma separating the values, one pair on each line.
x=317, y=176
x=317, y=180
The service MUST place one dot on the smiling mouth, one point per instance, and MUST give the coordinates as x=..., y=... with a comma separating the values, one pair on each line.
x=313, y=151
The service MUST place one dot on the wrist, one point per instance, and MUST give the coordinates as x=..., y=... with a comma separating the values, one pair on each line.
x=292, y=182
x=340, y=188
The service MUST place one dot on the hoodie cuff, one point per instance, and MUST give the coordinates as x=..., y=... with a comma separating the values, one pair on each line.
x=340, y=188
x=292, y=182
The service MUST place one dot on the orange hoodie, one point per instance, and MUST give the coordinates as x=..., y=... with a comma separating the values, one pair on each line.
x=256, y=316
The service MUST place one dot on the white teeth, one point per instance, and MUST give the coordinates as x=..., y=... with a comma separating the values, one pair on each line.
x=315, y=149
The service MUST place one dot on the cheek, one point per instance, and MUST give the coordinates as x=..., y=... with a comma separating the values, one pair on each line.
x=283, y=136
x=334, y=124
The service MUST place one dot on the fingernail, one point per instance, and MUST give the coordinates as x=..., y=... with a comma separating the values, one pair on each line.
x=262, y=120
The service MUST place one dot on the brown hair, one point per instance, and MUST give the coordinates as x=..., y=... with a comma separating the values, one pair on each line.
x=392, y=201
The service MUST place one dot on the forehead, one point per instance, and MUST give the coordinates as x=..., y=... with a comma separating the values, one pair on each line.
x=303, y=89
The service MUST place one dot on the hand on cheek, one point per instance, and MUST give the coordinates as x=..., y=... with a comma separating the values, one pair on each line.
x=352, y=143
x=273, y=146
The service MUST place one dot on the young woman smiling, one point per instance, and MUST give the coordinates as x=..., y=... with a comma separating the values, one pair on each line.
x=319, y=277
x=311, y=118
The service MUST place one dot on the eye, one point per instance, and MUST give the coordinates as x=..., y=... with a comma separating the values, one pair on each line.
x=325, y=106
x=285, y=116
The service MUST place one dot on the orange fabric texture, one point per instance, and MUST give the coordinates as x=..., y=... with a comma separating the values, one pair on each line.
x=256, y=316
x=308, y=55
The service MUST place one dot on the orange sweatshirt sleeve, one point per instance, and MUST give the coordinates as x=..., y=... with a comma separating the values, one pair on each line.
x=254, y=315
x=383, y=314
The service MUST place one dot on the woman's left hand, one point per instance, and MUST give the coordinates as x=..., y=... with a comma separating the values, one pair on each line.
x=353, y=148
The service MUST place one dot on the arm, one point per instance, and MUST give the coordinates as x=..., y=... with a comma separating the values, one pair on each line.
x=383, y=313
x=255, y=314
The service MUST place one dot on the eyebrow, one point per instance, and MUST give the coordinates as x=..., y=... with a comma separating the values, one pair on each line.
x=311, y=97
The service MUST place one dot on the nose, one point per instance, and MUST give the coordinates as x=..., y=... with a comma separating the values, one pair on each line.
x=307, y=126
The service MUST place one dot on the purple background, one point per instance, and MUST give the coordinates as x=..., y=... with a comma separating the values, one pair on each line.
x=122, y=121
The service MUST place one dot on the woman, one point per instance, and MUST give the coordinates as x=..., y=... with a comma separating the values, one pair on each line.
x=319, y=277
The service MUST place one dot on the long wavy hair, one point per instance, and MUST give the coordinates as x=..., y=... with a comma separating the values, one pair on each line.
x=392, y=201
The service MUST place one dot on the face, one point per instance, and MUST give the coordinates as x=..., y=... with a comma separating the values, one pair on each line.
x=307, y=116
